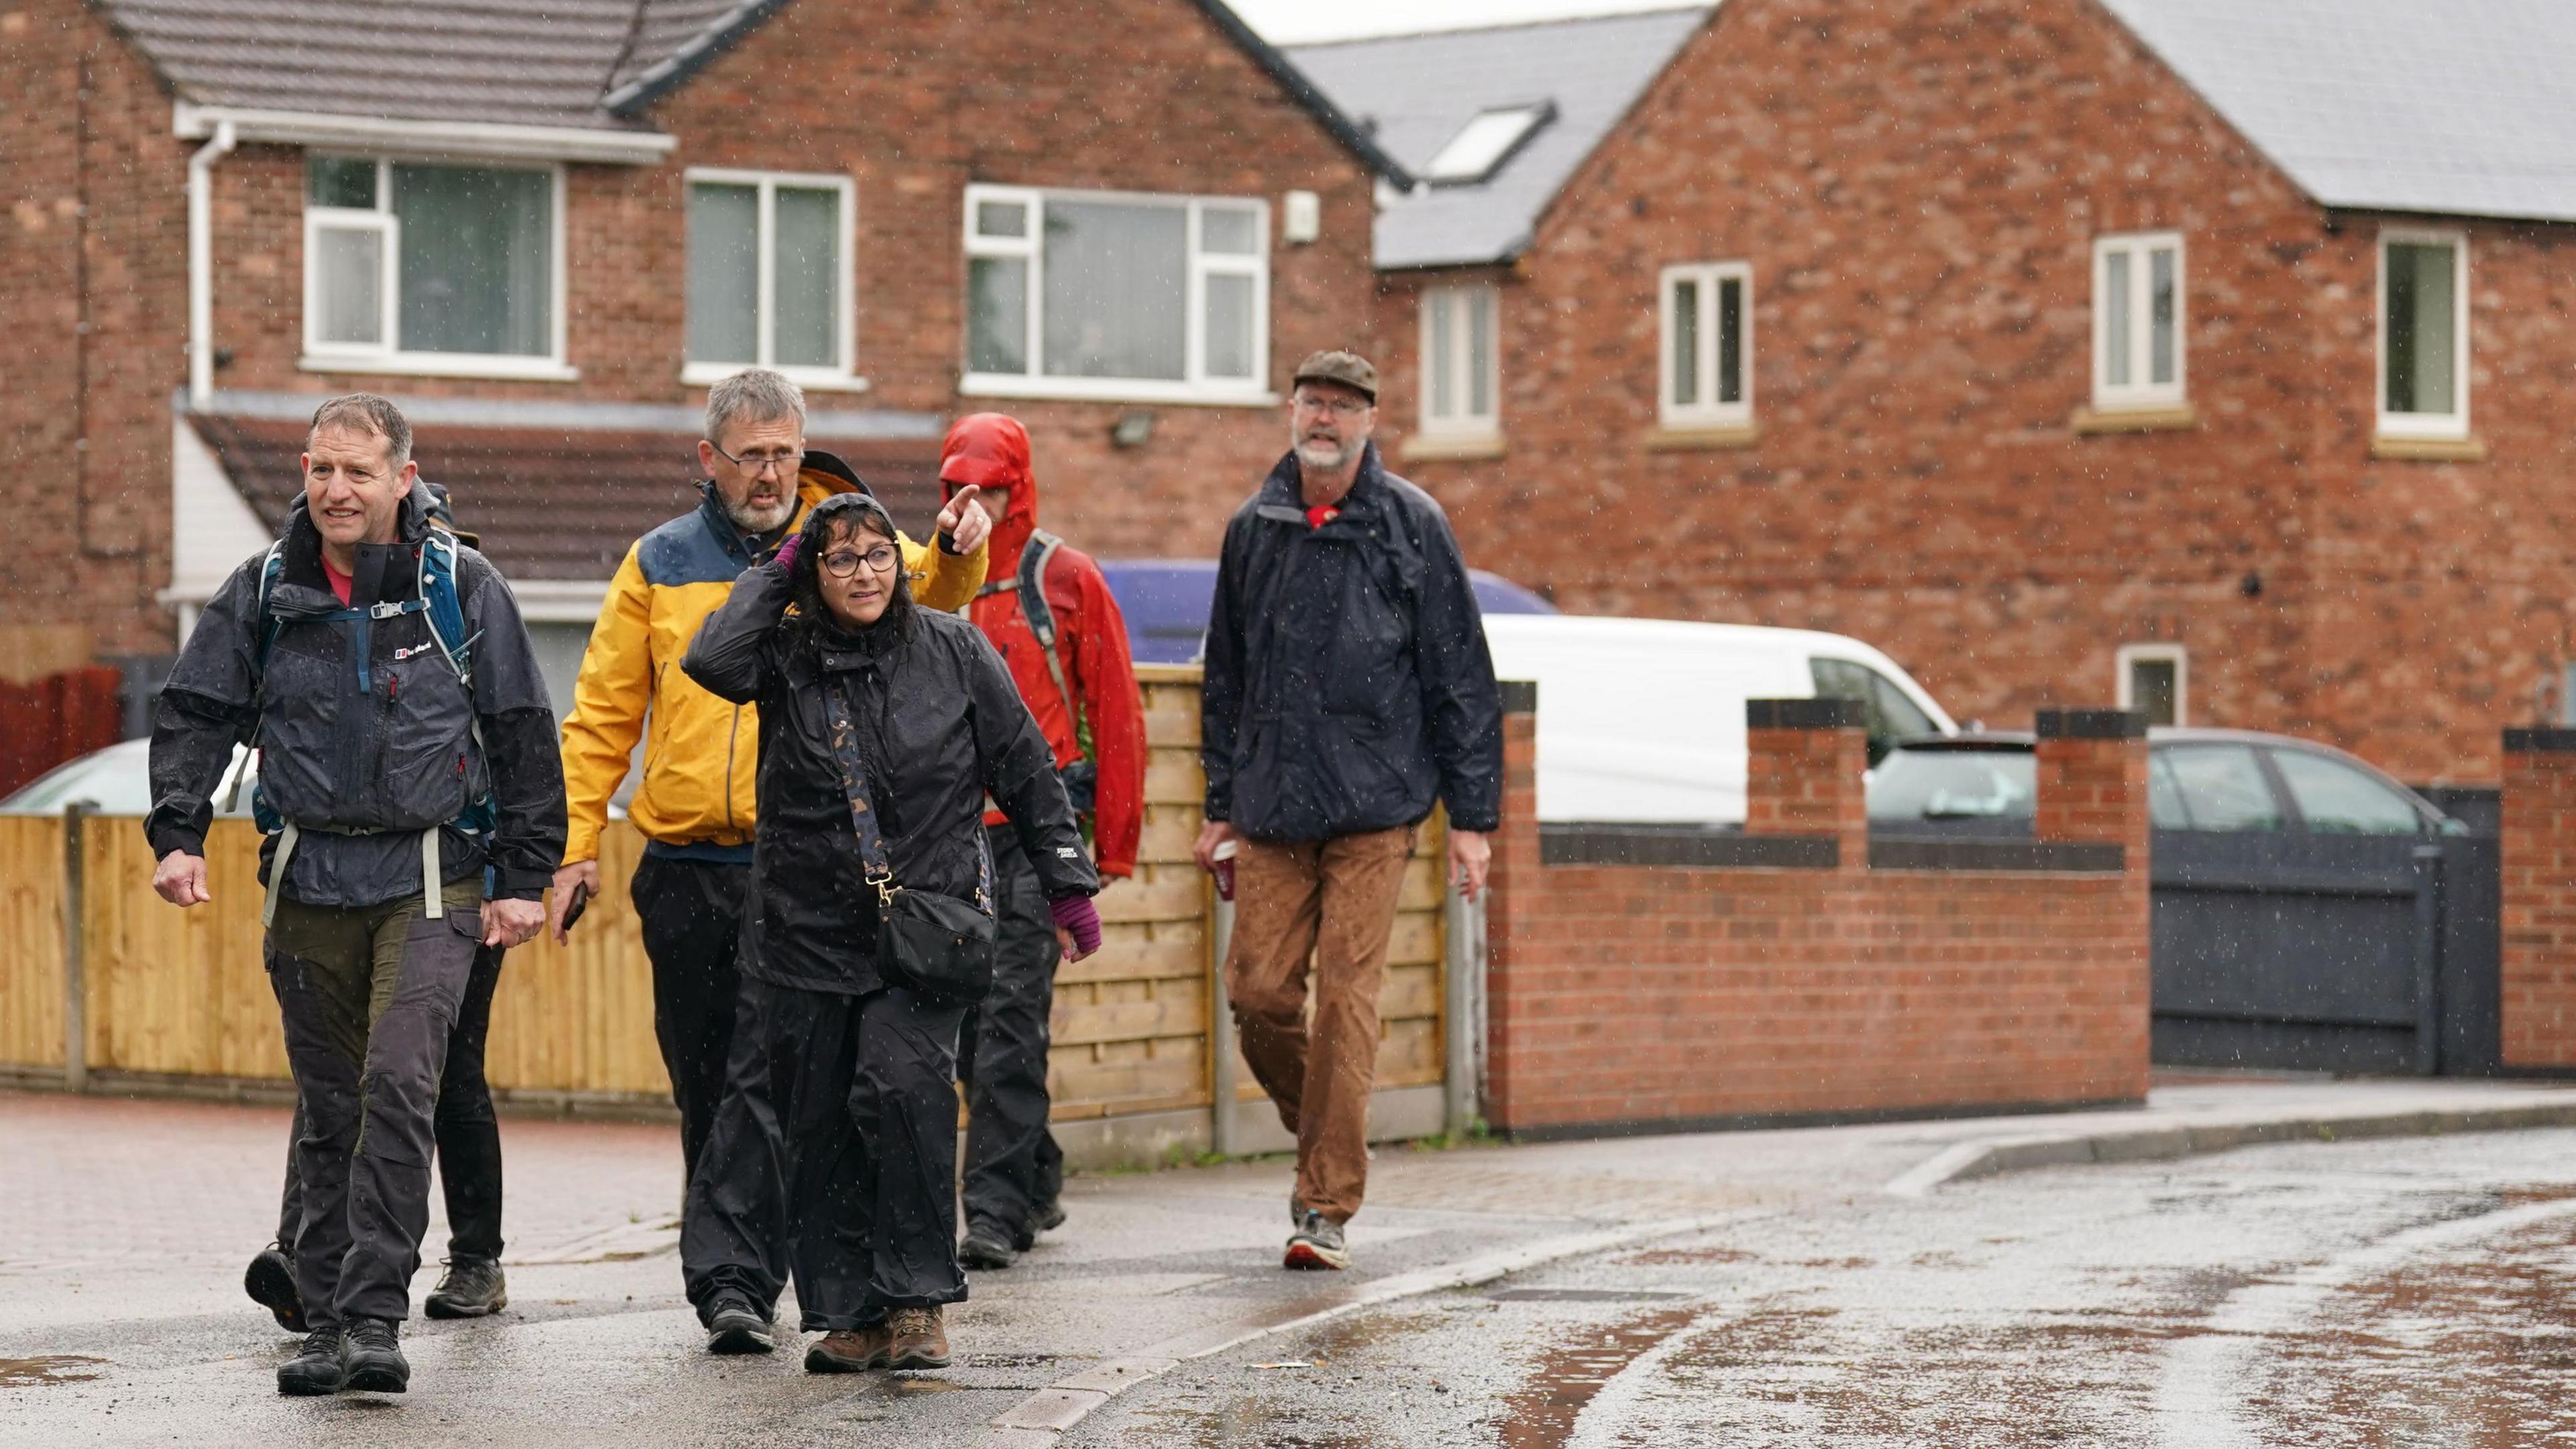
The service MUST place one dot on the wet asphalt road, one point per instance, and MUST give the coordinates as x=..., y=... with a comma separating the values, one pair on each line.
x=2396, y=1293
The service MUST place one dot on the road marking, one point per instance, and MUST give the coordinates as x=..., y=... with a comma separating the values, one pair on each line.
x=1066, y=1402
x=1617, y=1401
x=2207, y=1375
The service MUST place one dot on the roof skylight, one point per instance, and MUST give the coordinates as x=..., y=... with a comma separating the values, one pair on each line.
x=1486, y=142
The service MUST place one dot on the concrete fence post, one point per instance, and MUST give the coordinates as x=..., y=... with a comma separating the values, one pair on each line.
x=1222, y=1074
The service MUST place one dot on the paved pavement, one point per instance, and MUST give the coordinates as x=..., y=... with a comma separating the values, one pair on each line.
x=124, y=1225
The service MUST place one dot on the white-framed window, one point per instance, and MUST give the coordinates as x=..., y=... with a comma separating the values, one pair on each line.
x=769, y=276
x=432, y=267
x=1706, y=375
x=2138, y=321
x=2423, y=333
x=2155, y=679
x=1117, y=295
x=1460, y=369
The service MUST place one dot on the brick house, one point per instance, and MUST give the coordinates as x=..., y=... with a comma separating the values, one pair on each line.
x=545, y=231
x=2207, y=355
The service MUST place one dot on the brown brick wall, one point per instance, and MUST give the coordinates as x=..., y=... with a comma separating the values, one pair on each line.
x=93, y=268
x=1917, y=185
x=1625, y=996
x=2539, y=902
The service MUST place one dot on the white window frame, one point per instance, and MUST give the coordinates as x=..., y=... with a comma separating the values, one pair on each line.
x=1704, y=411
x=321, y=355
x=842, y=377
x=1463, y=424
x=2174, y=654
x=2425, y=425
x=2141, y=392
x=1195, y=386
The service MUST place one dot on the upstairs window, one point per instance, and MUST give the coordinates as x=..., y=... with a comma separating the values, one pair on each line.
x=2137, y=322
x=2423, y=334
x=415, y=267
x=769, y=262
x=1113, y=295
x=1707, y=346
x=1482, y=145
x=1459, y=363
x=2155, y=681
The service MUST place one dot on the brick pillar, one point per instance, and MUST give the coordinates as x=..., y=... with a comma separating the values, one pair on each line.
x=1803, y=770
x=1511, y=893
x=2093, y=779
x=2539, y=918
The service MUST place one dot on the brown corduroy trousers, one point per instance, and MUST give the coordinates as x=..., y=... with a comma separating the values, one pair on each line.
x=1334, y=901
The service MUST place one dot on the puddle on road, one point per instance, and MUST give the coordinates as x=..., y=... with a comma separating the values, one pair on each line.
x=1685, y=1257
x=1586, y=1295
x=1542, y=1415
x=51, y=1368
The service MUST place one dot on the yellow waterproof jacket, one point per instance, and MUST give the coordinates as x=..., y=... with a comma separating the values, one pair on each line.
x=701, y=757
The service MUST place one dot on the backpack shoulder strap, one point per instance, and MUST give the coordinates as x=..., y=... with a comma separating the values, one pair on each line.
x=446, y=609
x=271, y=569
x=1031, y=588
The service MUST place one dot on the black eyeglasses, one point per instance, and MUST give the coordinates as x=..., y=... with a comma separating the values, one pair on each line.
x=840, y=563
x=760, y=463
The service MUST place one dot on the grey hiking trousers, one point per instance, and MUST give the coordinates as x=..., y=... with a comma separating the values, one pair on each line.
x=368, y=995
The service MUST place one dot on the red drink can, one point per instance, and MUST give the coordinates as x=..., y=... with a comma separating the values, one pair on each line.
x=1224, y=858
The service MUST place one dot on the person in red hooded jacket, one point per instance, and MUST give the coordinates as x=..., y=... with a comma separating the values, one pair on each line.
x=1049, y=611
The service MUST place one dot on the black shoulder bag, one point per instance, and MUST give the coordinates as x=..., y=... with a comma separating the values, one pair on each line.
x=937, y=945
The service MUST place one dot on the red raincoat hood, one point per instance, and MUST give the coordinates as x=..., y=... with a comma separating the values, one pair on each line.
x=991, y=450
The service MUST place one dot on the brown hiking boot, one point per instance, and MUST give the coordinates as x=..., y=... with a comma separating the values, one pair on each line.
x=920, y=1339
x=849, y=1350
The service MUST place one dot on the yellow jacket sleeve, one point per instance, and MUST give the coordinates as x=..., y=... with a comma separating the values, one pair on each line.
x=943, y=581
x=608, y=704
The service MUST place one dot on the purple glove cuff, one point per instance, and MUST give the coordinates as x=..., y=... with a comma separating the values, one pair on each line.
x=1077, y=915
x=786, y=555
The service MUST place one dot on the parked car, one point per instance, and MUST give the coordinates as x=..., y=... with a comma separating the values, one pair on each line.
x=2208, y=780
x=1166, y=603
x=1642, y=720
x=117, y=781
x=2308, y=912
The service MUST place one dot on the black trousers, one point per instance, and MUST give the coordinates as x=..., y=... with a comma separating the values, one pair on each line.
x=691, y=915
x=367, y=996
x=865, y=1089
x=1014, y=1170
x=733, y=1230
x=467, y=1132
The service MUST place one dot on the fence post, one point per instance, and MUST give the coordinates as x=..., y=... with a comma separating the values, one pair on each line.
x=75, y=975
x=1463, y=1012
x=1221, y=1072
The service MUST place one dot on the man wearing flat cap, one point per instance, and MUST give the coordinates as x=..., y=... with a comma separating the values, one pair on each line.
x=1348, y=691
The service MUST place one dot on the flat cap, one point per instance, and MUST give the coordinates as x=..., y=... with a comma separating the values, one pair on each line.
x=1347, y=368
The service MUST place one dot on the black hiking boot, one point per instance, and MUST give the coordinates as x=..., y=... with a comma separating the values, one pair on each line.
x=317, y=1368
x=734, y=1326
x=376, y=1362
x=270, y=1282
x=1051, y=1217
x=986, y=1246
x=470, y=1288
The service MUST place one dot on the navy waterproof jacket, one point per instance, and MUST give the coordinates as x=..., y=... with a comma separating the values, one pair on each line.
x=1348, y=684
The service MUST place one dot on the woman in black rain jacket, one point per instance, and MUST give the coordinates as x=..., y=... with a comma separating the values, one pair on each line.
x=861, y=1067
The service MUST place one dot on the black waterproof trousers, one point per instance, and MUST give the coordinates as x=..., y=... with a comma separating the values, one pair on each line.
x=866, y=1093
x=733, y=1230
x=467, y=1132
x=691, y=915
x=1014, y=1170
x=368, y=995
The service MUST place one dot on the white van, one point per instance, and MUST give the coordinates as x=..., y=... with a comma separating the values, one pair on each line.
x=1643, y=719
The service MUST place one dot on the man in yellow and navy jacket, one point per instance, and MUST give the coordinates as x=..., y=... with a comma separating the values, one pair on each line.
x=694, y=803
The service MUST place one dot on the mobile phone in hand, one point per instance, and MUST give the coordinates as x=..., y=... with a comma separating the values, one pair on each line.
x=580, y=903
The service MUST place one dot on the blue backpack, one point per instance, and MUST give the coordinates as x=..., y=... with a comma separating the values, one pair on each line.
x=435, y=595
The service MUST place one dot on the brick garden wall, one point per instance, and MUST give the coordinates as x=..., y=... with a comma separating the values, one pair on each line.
x=1629, y=997
x=1917, y=185
x=2539, y=903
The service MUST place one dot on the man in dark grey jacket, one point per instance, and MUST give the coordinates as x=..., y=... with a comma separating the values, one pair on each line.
x=411, y=781
x=1348, y=689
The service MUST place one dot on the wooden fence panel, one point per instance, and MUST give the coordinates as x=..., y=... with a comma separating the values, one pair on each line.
x=169, y=990
x=579, y=1017
x=31, y=941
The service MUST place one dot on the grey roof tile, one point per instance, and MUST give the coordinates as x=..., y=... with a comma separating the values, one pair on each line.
x=2447, y=106
x=1417, y=90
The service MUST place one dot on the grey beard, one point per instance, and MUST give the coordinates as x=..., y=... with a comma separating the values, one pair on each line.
x=758, y=520
x=1326, y=457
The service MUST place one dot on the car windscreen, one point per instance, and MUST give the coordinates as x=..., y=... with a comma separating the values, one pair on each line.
x=1954, y=785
